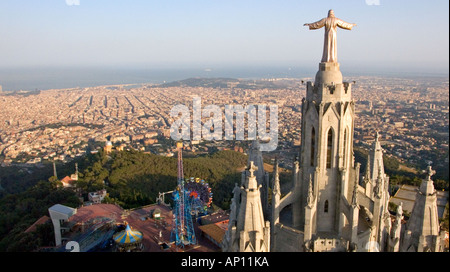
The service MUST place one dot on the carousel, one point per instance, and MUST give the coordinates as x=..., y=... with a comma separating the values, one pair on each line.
x=128, y=240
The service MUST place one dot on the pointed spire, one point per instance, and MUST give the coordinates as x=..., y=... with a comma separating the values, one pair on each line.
x=250, y=218
x=430, y=172
x=377, y=154
x=377, y=144
x=380, y=171
x=276, y=179
x=310, y=192
x=379, y=181
x=255, y=155
x=355, y=195
x=252, y=183
x=252, y=168
x=235, y=201
x=426, y=227
x=427, y=186
x=276, y=166
x=367, y=173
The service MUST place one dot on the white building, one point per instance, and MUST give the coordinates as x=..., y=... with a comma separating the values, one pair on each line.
x=97, y=197
x=60, y=215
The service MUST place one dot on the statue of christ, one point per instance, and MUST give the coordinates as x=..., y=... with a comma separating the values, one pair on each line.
x=330, y=45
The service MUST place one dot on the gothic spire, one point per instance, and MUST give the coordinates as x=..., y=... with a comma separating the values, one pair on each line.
x=427, y=186
x=276, y=180
x=310, y=193
x=367, y=173
x=355, y=195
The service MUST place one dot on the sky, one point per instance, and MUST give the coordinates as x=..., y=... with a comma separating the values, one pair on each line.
x=394, y=34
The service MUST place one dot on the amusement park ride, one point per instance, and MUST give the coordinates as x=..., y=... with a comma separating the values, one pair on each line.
x=192, y=197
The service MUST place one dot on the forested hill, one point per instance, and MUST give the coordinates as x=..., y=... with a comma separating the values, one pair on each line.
x=134, y=178
x=131, y=178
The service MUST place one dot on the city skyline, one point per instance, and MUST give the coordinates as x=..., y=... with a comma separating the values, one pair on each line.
x=409, y=36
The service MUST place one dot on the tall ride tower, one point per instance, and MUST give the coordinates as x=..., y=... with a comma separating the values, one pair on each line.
x=183, y=230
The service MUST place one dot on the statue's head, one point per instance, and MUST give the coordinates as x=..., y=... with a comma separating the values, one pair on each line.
x=331, y=13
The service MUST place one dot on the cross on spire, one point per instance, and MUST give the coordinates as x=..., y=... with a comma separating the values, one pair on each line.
x=252, y=169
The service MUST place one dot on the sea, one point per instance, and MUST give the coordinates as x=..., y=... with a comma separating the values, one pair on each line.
x=34, y=79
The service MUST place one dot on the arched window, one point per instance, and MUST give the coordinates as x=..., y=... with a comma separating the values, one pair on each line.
x=329, y=147
x=325, y=207
x=313, y=145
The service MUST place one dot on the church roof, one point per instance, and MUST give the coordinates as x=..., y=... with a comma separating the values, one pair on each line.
x=67, y=181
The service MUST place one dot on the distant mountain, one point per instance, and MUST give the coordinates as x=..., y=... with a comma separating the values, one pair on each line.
x=202, y=82
x=232, y=83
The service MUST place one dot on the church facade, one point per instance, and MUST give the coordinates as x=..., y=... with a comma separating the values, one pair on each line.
x=330, y=205
x=329, y=208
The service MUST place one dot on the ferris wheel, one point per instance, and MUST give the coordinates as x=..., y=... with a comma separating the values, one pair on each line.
x=200, y=195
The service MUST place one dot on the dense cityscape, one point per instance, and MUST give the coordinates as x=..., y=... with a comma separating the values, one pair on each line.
x=411, y=115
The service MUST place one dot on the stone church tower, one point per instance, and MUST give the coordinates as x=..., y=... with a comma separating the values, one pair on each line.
x=326, y=152
x=373, y=199
x=328, y=207
x=325, y=176
x=422, y=232
x=247, y=229
x=262, y=177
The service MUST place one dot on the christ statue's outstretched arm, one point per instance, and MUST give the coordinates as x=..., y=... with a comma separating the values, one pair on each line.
x=345, y=25
x=317, y=25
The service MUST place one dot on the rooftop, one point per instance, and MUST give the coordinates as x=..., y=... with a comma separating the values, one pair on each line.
x=38, y=222
x=407, y=195
x=216, y=230
x=61, y=209
x=156, y=231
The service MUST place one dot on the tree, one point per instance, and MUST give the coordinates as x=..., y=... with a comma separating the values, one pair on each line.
x=55, y=182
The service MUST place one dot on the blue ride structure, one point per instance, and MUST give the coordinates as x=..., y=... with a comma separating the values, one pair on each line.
x=183, y=233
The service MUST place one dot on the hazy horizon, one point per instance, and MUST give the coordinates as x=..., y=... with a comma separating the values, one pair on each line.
x=44, y=78
x=41, y=39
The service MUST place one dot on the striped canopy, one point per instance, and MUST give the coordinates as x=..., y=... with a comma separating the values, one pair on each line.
x=128, y=236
